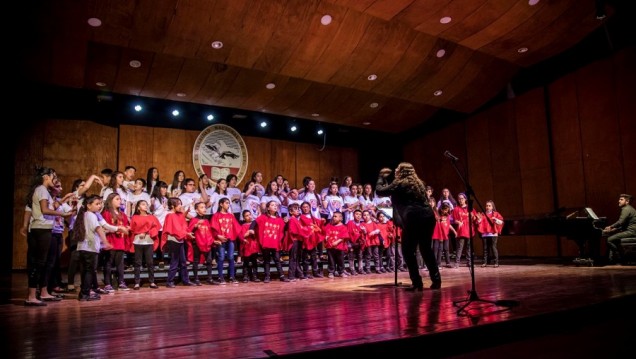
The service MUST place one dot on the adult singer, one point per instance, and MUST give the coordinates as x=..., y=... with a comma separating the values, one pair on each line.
x=414, y=215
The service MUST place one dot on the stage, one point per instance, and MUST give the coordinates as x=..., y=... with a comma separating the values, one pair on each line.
x=558, y=310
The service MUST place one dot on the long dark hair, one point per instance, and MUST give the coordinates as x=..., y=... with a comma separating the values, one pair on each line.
x=36, y=181
x=149, y=179
x=79, y=229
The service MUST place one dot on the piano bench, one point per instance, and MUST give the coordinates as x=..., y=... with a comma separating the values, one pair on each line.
x=629, y=249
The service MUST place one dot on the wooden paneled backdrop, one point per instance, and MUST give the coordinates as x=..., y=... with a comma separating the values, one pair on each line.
x=569, y=145
x=76, y=149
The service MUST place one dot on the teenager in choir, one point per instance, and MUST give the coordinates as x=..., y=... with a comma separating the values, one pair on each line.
x=250, y=201
x=352, y=202
x=367, y=200
x=176, y=187
x=336, y=238
x=372, y=243
x=358, y=244
x=441, y=235
x=90, y=237
x=137, y=194
x=269, y=229
x=205, y=185
x=175, y=232
x=490, y=231
x=448, y=198
x=282, y=195
x=249, y=249
x=257, y=178
x=204, y=243
x=129, y=178
x=190, y=196
x=332, y=202
x=226, y=229
x=463, y=227
x=60, y=205
x=220, y=192
x=119, y=241
x=116, y=185
x=152, y=177
x=345, y=188
x=106, y=174
x=234, y=193
x=294, y=197
x=271, y=195
x=159, y=208
x=144, y=229
x=325, y=191
x=40, y=238
x=310, y=246
x=297, y=233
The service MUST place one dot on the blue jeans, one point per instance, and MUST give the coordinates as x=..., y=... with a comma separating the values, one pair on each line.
x=225, y=249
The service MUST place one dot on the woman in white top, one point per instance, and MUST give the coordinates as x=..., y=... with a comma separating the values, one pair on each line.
x=40, y=238
x=116, y=185
x=234, y=193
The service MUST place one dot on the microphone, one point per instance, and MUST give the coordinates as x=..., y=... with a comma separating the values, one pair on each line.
x=450, y=155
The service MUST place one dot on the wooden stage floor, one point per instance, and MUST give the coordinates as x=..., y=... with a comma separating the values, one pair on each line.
x=558, y=308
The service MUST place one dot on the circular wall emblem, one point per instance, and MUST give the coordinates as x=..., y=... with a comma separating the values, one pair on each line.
x=218, y=151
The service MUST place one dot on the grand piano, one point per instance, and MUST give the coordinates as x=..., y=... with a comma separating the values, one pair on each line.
x=581, y=225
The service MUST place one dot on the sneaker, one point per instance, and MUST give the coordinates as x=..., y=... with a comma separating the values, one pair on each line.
x=255, y=279
x=234, y=281
x=122, y=286
x=197, y=283
x=330, y=275
x=189, y=284
x=170, y=285
x=309, y=276
x=304, y=277
x=382, y=270
x=319, y=275
x=102, y=291
x=108, y=289
x=246, y=280
x=136, y=287
x=153, y=286
x=266, y=280
x=284, y=279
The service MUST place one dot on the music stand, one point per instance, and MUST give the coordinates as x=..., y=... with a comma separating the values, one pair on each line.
x=472, y=294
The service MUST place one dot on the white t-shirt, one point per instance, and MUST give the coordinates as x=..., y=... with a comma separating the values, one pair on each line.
x=39, y=220
x=159, y=209
x=134, y=198
x=235, y=204
x=92, y=242
x=315, y=203
x=334, y=204
x=251, y=203
x=188, y=200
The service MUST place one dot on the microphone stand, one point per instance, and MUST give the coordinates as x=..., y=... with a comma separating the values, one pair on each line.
x=472, y=294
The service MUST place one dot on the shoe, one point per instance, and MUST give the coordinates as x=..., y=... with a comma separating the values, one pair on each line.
x=122, y=286
x=28, y=303
x=70, y=289
x=108, y=289
x=304, y=277
x=189, y=284
x=234, y=281
x=382, y=270
x=266, y=280
x=284, y=279
x=484, y=265
x=88, y=298
x=51, y=299
x=153, y=286
x=403, y=269
x=170, y=285
x=197, y=283
x=246, y=280
x=221, y=281
x=293, y=280
x=367, y=271
x=330, y=275
x=496, y=265
x=319, y=275
x=415, y=288
x=255, y=279
x=136, y=287
x=436, y=285
x=309, y=276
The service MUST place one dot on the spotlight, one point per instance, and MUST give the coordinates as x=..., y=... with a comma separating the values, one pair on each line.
x=263, y=124
x=293, y=129
x=175, y=113
x=320, y=132
x=138, y=108
x=600, y=10
x=210, y=117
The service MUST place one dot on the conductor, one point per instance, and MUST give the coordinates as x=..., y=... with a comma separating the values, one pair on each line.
x=414, y=215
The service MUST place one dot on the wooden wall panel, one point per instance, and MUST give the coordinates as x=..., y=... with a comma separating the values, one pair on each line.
x=259, y=152
x=55, y=144
x=283, y=159
x=349, y=165
x=600, y=136
x=625, y=78
x=307, y=163
x=135, y=149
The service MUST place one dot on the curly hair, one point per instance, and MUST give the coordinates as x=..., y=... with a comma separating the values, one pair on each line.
x=405, y=176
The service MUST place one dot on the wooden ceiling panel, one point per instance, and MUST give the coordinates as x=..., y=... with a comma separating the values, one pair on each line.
x=316, y=68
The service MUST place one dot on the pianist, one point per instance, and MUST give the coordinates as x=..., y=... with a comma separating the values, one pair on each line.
x=625, y=227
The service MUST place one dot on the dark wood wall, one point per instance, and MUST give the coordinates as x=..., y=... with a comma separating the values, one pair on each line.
x=570, y=144
x=76, y=149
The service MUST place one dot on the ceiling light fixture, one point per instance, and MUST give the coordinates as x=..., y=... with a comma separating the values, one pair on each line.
x=138, y=108
x=533, y=2
x=175, y=113
x=217, y=45
x=94, y=22
x=372, y=77
x=100, y=84
x=438, y=93
x=445, y=20
x=210, y=117
x=263, y=124
x=440, y=53
x=293, y=129
x=320, y=132
x=181, y=94
x=315, y=114
x=374, y=104
x=325, y=20
x=366, y=123
x=135, y=64
x=521, y=50
x=270, y=86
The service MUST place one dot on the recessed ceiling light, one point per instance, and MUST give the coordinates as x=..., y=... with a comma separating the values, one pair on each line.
x=366, y=123
x=445, y=20
x=100, y=84
x=181, y=94
x=521, y=50
x=175, y=113
x=138, y=108
x=533, y=2
x=217, y=45
x=263, y=124
x=320, y=132
x=94, y=22
x=210, y=117
x=374, y=104
x=315, y=114
x=134, y=63
x=325, y=20
x=270, y=86
x=438, y=93
x=372, y=77
x=440, y=53
x=293, y=129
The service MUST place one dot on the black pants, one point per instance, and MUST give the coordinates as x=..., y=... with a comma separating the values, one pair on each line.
x=490, y=247
x=88, y=263
x=417, y=232
x=143, y=252
x=115, y=260
x=295, y=260
x=39, y=244
x=268, y=255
